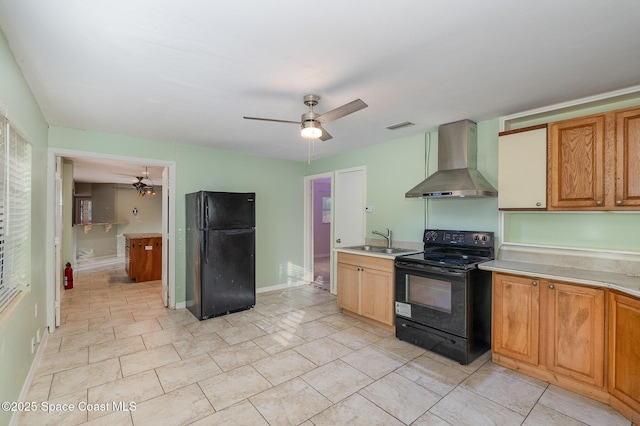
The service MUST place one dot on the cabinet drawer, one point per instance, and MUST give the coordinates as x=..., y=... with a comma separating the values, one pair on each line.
x=364, y=261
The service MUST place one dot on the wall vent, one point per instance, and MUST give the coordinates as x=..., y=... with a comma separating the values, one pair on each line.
x=400, y=125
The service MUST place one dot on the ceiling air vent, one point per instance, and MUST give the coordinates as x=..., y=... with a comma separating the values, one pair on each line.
x=400, y=125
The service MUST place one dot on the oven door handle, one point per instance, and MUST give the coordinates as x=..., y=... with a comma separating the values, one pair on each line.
x=406, y=266
x=444, y=339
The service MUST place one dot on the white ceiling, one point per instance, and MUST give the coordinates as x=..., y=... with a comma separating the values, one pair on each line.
x=188, y=71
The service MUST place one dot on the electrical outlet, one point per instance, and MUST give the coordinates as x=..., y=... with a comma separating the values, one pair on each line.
x=38, y=337
x=33, y=344
x=368, y=209
x=36, y=309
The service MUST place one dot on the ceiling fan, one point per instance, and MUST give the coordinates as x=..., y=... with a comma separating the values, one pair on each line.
x=311, y=122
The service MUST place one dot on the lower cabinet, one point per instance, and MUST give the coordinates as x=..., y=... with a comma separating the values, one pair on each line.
x=365, y=286
x=624, y=355
x=143, y=256
x=552, y=330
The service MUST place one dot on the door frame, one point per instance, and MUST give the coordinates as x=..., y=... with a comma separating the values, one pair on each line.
x=168, y=220
x=308, y=228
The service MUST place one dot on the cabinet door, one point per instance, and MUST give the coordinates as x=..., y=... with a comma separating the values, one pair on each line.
x=377, y=295
x=627, y=158
x=349, y=287
x=522, y=169
x=516, y=317
x=576, y=163
x=624, y=356
x=575, y=327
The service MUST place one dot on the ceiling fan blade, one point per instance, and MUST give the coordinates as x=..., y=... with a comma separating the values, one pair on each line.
x=325, y=135
x=271, y=119
x=341, y=111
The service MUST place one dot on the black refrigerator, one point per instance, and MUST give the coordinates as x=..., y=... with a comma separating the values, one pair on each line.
x=220, y=252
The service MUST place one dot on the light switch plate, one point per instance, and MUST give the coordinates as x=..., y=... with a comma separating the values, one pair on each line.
x=368, y=209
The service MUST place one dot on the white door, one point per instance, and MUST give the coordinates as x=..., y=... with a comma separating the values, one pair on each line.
x=349, y=199
x=165, y=235
x=57, y=240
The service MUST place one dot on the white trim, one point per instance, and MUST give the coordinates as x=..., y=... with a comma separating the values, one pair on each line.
x=575, y=102
x=308, y=223
x=30, y=375
x=569, y=248
x=281, y=286
x=171, y=205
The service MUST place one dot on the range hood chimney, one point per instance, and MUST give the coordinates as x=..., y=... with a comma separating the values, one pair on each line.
x=457, y=175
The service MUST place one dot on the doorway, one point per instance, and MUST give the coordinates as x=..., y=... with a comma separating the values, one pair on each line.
x=322, y=203
x=115, y=165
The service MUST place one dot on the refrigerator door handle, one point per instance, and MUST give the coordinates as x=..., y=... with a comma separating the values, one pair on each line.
x=206, y=212
x=206, y=248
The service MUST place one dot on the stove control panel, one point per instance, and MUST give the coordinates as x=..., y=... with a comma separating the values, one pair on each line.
x=459, y=238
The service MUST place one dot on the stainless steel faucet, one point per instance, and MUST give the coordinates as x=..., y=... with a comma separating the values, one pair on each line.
x=388, y=236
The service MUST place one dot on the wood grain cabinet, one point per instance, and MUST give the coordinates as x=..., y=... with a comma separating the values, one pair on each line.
x=551, y=330
x=594, y=162
x=522, y=169
x=366, y=286
x=624, y=355
x=143, y=256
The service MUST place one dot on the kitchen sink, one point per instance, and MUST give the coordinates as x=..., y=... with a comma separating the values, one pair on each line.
x=377, y=249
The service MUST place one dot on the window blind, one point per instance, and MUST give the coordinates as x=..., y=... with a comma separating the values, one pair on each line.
x=15, y=211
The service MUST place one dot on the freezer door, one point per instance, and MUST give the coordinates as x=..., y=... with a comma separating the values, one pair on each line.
x=228, y=272
x=229, y=210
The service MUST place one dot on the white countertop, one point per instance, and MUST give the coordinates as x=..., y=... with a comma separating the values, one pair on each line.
x=376, y=254
x=626, y=283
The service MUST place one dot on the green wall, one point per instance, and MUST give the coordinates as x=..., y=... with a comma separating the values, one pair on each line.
x=17, y=330
x=278, y=185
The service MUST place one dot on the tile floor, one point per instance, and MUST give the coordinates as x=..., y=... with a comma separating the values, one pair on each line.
x=293, y=360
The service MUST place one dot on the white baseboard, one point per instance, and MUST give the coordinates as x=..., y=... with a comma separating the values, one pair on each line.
x=281, y=286
x=32, y=371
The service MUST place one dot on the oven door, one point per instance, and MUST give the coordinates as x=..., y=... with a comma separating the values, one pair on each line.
x=432, y=296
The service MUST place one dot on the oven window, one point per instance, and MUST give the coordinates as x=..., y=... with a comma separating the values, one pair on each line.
x=429, y=292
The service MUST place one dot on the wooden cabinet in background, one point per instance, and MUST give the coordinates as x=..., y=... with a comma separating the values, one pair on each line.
x=522, y=168
x=551, y=330
x=624, y=355
x=143, y=256
x=594, y=162
x=366, y=286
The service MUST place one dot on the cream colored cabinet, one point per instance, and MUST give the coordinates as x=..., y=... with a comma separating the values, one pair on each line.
x=624, y=355
x=522, y=168
x=551, y=330
x=365, y=286
x=593, y=162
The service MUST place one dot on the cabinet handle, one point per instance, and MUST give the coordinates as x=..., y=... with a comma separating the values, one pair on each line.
x=599, y=202
x=338, y=241
x=534, y=283
x=618, y=202
x=538, y=204
x=551, y=286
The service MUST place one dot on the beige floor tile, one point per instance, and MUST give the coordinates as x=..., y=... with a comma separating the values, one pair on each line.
x=241, y=414
x=148, y=360
x=133, y=389
x=430, y=419
x=336, y=380
x=87, y=315
x=355, y=411
x=70, y=381
x=242, y=317
x=354, y=338
x=581, y=408
x=373, y=362
x=504, y=389
x=65, y=360
x=279, y=341
x=465, y=408
x=119, y=418
x=53, y=413
x=186, y=372
x=111, y=321
x=240, y=333
x=227, y=389
x=432, y=374
x=323, y=350
x=39, y=389
x=112, y=349
x=72, y=328
x=544, y=416
x=283, y=366
x=88, y=338
x=136, y=328
x=151, y=313
x=166, y=336
x=290, y=403
x=208, y=326
x=199, y=345
x=182, y=406
x=314, y=330
x=339, y=321
x=468, y=368
x=298, y=317
x=231, y=357
x=176, y=318
x=129, y=307
x=400, y=397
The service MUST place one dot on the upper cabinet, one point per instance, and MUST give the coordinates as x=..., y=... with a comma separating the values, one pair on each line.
x=594, y=162
x=522, y=168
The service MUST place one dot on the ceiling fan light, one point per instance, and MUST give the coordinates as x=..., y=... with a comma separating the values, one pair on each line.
x=310, y=130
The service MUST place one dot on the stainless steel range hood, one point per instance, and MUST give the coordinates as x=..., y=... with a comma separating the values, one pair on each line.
x=457, y=160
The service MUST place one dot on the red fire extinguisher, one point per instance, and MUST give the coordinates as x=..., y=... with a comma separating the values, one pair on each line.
x=68, y=277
